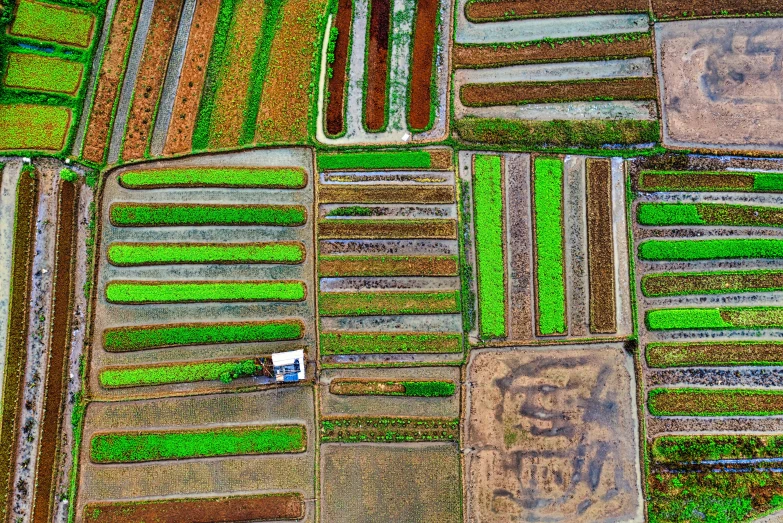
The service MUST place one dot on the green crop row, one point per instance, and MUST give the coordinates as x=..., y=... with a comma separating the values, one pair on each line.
x=381, y=343
x=204, y=291
x=715, y=249
x=374, y=160
x=388, y=430
x=696, y=448
x=490, y=263
x=715, y=318
x=428, y=389
x=666, y=214
x=711, y=282
x=173, y=215
x=234, y=177
x=732, y=181
x=387, y=303
x=153, y=446
x=687, y=401
x=422, y=389
x=130, y=254
x=225, y=371
x=124, y=339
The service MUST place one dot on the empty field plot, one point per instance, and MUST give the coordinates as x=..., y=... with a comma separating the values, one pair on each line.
x=337, y=83
x=26, y=127
x=247, y=178
x=719, y=282
x=134, y=254
x=492, y=11
x=43, y=73
x=388, y=430
x=387, y=194
x=140, y=292
x=388, y=343
x=356, y=387
x=673, y=9
x=177, y=215
x=716, y=181
x=600, y=243
x=52, y=23
x=715, y=318
x=669, y=214
x=714, y=402
x=710, y=249
x=387, y=266
x=225, y=371
x=377, y=64
x=392, y=229
x=387, y=303
x=423, y=82
x=720, y=354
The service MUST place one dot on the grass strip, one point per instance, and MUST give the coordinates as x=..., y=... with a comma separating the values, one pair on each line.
x=123, y=339
x=236, y=441
x=139, y=376
x=388, y=430
x=232, y=177
x=133, y=254
x=339, y=265
x=43, y=73
x=716, y=318
x=388, y=229
x=140, y=292
x=390, y=343
x=697, y=448
x=718, y=282
x=721, y=354
x=549, y=250
x=666, y=214
x=368, y=161
x=490, y=256
x=52, y=23
x=387, y=303
x=419, y=388
x=711, y=249
x=176, y=215
x=719, y=181
x=689, y=401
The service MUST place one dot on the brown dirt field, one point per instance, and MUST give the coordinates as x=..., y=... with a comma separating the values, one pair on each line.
x=412, y=266
x=335, y=108
x=479, y=95
x=110, y=80
x=423, y=60
x=16, y=348
x=149, y=81
x=694, y=182
x=377, y=65
x=387, y=229
x=664, y=284
x=485, y=11
x=235, y=76
x=489, y=56
x=386, y=194
x=676, y=8
x=726, y=353
x=191, y=79
x=349, y=387
x=600, y=246
x=67, y=224
x=440, y=158
x=229, y=509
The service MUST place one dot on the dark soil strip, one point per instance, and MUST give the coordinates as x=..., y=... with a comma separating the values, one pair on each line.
x=652, y=181
x=43, y=501
x=486, y=11
x=335, y=109
x=480, y=95
x=571, y=50
x=386, y=194
x=423, y=60
x=336, y=266
x=211, y=510
x=149, y=81
x=600, y=246
x=387, y=229
x=377, y=65
x=668, y=284
x=714, y=354
x=110, y=78
x=16, y=348
x=678, y=8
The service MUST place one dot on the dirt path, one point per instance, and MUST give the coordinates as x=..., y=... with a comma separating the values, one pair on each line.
x=7, y=213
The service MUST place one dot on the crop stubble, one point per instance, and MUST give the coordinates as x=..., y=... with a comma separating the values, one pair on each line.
x=600, y=246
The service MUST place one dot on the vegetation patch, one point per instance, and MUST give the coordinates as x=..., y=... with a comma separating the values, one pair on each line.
x=175, y=215
x=43, y=73
x=722, y=354
x=502, y=10
x=368, y=161
x=336, y=266
x=719, y=282
x=133, y=254
x=715, y=402
x=25, y=127
x=390, y=343
x=716, y=318
x=698, y=448
x=138, y=376
x=719, y=181
x=420, y=388
x=388, y=430
x=135, y=447
x=53, y=23
x=124, y=339
x=386, y=194
x=712, y=249
x=666, y=214
x=391, y=229
x=387, y=303
x=140, y=292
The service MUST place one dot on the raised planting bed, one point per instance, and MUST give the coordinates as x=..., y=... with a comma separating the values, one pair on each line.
x=715, y=318
x=146, y=375
x=141, y=292
x=135, y=447
x=337, y=57
x=715, y=402
x=337, y=265
x=697, y=448
x=259, y=507
x=720, y=354
x=422, y=94
x=26, y=127
x=710, y=181
x=388, y=430
x=386, y=194
x=123, y=339
x=420, y=388
x=666, y=9
x=600, y=246
x=714, y=249
x=667, y=214
x=490, y=254
x=230, y=177
x=43, y=73
x=391, y=229
x=52, y=23
x=176, y=215
x=549, y=246
x=521, y=93
x=134, y=254
x=389, y=343
x=719, y=282
x=556, y=133
x=497, y=10
x=377, y=65
x=368, y=161
x=387, y=303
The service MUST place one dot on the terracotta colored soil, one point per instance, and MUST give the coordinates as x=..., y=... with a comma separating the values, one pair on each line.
x=191, y=80
x=377, y=65
x=16, y=348
x=379, y=266
x=361, y=387
x=691, y=284
x=149, y=82
x=388, y=229
x=67, y=224
x=600, y=246
x=693, y=354
x=487, y=56
x=335, y=109
x=110, y=80
x=423, y=62
x=477, y=95
x=386, y=194
x=232, y=509
x=694, y=181
x=676, y=8
x=484, y=11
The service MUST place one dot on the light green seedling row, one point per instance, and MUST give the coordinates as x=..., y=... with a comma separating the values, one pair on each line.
x=205, y=291
x=129, y=254
x=281, y=178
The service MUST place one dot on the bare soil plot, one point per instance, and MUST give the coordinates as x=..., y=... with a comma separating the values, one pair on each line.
x=423, y=60
x=377, y=64
x=338, y=82
x=369, y=483
x=485, y=11
x=668, y=9
x=552, y=435
x=720, y=83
